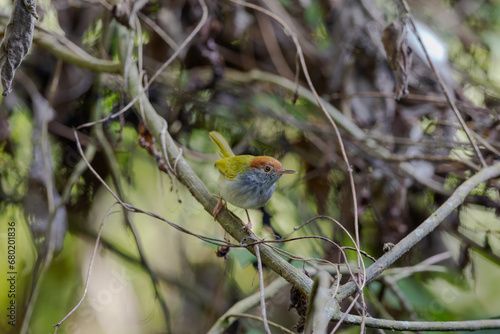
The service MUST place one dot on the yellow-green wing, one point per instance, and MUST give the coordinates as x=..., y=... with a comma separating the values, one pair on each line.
x=230, y=167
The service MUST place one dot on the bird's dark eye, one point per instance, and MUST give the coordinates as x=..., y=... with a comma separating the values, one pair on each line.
x=267, y=169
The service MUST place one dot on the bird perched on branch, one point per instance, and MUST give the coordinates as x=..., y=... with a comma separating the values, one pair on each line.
x=246, y=181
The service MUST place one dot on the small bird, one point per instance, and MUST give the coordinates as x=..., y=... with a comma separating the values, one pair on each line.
x=246, y=181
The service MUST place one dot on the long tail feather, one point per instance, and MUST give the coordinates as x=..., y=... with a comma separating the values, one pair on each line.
x=225, y=150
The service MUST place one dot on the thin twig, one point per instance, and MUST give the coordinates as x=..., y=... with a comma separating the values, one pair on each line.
x=362, y=252
x=358, y=309
x=261, y=290
x=169, y=40
x=474, y=133
x=427, y=264
x=344, y=315
x=443, y=86
x=89, y=272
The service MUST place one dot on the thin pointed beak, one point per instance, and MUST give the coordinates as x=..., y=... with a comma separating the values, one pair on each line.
x=286, y=171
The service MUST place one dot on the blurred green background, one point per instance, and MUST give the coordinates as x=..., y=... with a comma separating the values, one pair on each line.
x=237, y=77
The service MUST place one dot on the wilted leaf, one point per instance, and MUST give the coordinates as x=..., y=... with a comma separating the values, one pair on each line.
x=17, y=40
x=399, y=54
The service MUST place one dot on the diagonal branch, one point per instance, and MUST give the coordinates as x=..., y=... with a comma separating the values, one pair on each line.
x=415, y=236
x=198, y=189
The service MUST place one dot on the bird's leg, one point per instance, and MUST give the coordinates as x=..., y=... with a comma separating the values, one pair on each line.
x=222, y=203
x=249, y=225
x=218, y=207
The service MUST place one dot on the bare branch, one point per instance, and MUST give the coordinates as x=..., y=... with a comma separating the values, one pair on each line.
x=425, y=228
x=438, y=326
